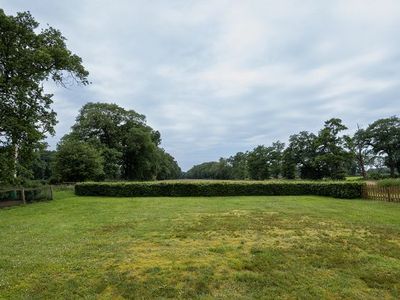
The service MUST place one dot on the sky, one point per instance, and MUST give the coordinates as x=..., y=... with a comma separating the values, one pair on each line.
x=217, y=77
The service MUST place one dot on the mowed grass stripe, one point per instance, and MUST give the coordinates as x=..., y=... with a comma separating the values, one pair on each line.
x=217, y=247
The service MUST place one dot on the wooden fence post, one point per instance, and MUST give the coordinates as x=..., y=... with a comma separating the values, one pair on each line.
x=51, y=192
x=23, y=195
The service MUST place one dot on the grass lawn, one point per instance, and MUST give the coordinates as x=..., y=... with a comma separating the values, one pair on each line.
x=225, y=247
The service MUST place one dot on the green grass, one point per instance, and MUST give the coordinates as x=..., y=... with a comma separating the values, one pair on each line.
x=354, y=178
x=227, y=247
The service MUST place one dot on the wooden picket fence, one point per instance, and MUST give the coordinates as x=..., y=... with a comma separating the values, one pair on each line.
x=375, y=192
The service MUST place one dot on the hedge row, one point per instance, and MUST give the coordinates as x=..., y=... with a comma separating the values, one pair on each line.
x=211, y=188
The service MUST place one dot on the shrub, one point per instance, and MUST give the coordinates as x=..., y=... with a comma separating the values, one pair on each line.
x=389, y=182
x=219, y=188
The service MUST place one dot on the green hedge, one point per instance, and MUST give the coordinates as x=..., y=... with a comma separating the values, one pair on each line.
x=390, y=182
x=219, y=188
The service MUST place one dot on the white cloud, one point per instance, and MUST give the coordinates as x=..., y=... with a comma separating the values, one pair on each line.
x=217, y=77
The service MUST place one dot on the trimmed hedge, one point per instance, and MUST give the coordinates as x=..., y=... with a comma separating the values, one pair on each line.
x=390, y=182
x=219, y=188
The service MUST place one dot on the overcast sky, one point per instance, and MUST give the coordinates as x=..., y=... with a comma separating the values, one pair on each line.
x=217, y=77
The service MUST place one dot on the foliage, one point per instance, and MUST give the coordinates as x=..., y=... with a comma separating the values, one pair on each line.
x=395, y=182
x=220, y=188
x=258, y=163
x=130, y=148
x=27, y=59
x=331, y=154
x=42, y=164
x=238, y=163
x=303, y=151
x=384, y=137
x=359, y=148
x=168, y=167
x=211, y=170
x=77, y=161
x=288, y=164
x=326, y=155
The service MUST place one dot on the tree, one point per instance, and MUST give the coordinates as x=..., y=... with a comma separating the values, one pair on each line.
x=288, y=164
x=211, y=170
x=28, y=58
x=105, y=123
x=129, y=147
x=139, y=156
x=258, y=162
x=238, y=163
x=303, y=152
x=275, y=158
x=77, y=161
x=359, y=146
x=384, y=137
x=168, y=167
x=332, y=156
x=42, y=165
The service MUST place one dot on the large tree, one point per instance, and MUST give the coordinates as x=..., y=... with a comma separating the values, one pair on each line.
x=129, y=147
x=28, y=57
x=331, y=153
x=362, y=152
x=259, y=163
x=238, y=163
x=384, y=137
x=302, y=151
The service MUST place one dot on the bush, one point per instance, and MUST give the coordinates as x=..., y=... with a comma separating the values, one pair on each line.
x=219, y=188
x=389, y=182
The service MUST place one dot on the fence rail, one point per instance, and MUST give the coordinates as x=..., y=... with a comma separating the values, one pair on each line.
x=374, y=192
x=17, y=195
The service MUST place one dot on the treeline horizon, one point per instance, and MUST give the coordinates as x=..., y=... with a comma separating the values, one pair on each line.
x=108, y=142
x=372, y=152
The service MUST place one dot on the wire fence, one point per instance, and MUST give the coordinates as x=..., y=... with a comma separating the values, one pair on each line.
x=19, y=195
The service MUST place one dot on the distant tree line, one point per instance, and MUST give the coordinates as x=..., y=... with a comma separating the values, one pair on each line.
x=326, y=154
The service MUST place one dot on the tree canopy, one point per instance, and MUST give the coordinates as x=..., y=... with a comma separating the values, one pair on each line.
x=27, y=59
x=128, y=146
x=327, y=154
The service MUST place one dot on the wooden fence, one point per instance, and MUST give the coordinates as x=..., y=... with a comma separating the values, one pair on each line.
x=375, y=192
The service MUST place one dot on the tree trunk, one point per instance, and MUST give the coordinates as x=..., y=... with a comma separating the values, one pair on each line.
x=15, y=159
x=392, y=165
x=361, y=164
x=392, y=171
